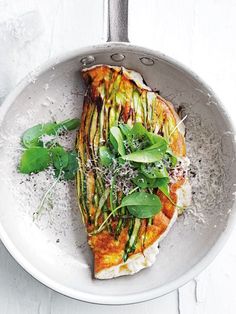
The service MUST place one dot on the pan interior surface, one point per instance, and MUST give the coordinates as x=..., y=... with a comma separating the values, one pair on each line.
x=54, y=248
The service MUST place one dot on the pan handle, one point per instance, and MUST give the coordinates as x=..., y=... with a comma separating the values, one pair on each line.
x=117, y=24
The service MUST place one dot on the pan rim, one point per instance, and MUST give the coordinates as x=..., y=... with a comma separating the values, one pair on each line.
x=135, y=297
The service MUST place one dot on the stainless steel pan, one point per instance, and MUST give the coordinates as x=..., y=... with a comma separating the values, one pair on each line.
x=54, y=250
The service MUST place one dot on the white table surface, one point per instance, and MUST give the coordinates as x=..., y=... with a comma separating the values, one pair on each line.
x=199, y=33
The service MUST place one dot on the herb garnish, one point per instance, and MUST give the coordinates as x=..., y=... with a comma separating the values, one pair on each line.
x=117, y=140
x=32, y=136
x=142, y=204
x=139, y=204
x=37, y=156
x=150, y=156
x=34, y=159
x=105, y=156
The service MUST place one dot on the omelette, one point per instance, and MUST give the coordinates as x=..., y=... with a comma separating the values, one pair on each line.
x=132, y=179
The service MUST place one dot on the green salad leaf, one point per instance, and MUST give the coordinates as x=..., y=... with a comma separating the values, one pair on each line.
x=156, y=139
x=69, y=172
x=142, y=204
x=59, y=157
x=117, y=140
x=142, y=181
x=37, y=158
x=34, y=159
x=150, y=154
x=153, y=171
x=32, y=136
x=125, y=129
x=138, y=130
x=162, y=185
x=69, y=124
x=105, y=156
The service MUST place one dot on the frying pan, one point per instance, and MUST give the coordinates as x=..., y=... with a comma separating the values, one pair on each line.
x=54, y=249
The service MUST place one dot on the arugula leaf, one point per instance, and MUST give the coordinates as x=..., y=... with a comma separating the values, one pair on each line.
x=37, y=158
x=162, y=185
x=142, y=204
x=153, y=171
x=120, y=161
x=144, y=211
x=125, y=129
x=69, y=124
x=34, y=159
x=105, y=156
x=144, y=182
x=161, y=147
x=156, y=139
x=31, y=137
x=139, y=204
x=141, y=181
x=138, y=130
x=143, y=156
x=148, y=155
x=117, y=140
x=69, y=172
x=59, y=157
x=138, y=137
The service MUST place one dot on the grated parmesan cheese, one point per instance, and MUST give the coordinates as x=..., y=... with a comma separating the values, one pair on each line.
x=207, y=170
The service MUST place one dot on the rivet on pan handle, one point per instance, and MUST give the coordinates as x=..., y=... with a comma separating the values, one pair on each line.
x=117, y=21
